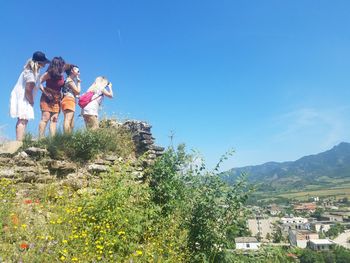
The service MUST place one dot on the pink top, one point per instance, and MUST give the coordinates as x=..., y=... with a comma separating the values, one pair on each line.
x=55, y=84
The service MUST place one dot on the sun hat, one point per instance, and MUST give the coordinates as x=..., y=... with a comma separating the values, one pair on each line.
x=39, y=56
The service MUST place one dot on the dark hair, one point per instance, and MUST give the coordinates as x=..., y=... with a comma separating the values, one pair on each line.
x=56, y=67
x=68, y=68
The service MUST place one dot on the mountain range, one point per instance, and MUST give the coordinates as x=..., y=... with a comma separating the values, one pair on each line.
x=326, y=169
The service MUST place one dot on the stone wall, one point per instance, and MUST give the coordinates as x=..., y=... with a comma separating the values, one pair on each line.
x=142, y=137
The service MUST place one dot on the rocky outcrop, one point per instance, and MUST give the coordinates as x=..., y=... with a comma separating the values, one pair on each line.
x=11, y=147
x=34, y=165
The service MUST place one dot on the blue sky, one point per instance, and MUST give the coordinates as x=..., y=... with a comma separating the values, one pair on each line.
x=269, y=79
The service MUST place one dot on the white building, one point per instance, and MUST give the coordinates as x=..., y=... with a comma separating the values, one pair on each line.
x=334, y=217
x=294, y=220
x=298, y=223
x=320, y=244
x=247, y=243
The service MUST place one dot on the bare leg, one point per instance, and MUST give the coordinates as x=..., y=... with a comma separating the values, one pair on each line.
x=91, y=122
x=21, y=129
x=53, y=123
x=68, y=121
x=72, y=123
x=45, y=116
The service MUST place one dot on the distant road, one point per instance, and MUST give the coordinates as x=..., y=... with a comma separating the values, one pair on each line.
x=342, y=239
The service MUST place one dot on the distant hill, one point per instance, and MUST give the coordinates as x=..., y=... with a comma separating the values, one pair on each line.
x=312, y=171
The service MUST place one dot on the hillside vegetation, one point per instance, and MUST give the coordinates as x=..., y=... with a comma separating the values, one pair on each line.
x=177, y=212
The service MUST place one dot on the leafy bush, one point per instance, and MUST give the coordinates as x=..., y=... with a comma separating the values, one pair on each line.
x=165, y=180
x=212, y=212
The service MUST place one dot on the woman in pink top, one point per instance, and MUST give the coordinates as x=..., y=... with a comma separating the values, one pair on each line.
x=51, y=95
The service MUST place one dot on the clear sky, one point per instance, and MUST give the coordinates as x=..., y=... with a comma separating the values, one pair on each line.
x=267, y=78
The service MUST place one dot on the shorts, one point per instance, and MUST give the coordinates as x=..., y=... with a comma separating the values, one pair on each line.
x=51, y=105
x=68, y=103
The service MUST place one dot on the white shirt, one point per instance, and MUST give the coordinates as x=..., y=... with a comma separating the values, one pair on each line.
x=93, y=107
x=19, y=105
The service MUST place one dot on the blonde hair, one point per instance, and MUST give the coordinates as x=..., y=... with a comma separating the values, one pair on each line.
x=99, y=83
x=33, y=66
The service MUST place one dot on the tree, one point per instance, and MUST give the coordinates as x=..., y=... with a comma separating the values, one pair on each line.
x=318, y=213
x=268, y=236
x=342, y=255
x=277, y=235
x=335, y=230
x=310, y=256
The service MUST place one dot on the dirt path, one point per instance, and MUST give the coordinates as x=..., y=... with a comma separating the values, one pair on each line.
x=342, y=239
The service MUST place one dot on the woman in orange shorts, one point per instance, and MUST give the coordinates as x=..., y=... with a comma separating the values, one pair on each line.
x=70, y=90
x=51, y=95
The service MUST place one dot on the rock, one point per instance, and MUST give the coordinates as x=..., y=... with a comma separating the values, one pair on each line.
x=36, y=153
x=21, y=155
x=147, y=136
x=112, y=158
x=97, y=168
x=11, y=147
x=100, y=161
x=26, y=169
x=7, y=172
x=136, y=126
x=147, y=142
x=5, y=161
x=29, y=177
x=25, y=162
x=142, y=133
x=159, y=154
x=61, y=168
x=152, y=156
x=75, y=181
x=157, y=148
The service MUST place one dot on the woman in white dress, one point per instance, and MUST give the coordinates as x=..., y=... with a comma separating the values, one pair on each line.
x=22, y=95
x=101, y=87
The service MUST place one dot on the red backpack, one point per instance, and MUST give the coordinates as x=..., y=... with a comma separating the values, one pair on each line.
x=86, y=98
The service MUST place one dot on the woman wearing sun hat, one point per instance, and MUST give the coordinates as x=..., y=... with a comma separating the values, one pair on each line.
x=22, y=95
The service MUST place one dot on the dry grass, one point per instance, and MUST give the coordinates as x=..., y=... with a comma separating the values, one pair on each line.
x=340, y=192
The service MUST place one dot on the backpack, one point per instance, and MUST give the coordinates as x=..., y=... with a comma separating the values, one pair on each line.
x=86, y=98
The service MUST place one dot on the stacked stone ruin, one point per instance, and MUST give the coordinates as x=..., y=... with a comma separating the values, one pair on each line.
x=142, y=137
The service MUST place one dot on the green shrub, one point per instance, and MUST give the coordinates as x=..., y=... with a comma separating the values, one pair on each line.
x=212, y=212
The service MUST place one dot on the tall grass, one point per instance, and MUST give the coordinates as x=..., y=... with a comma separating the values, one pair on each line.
x=84, y=145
